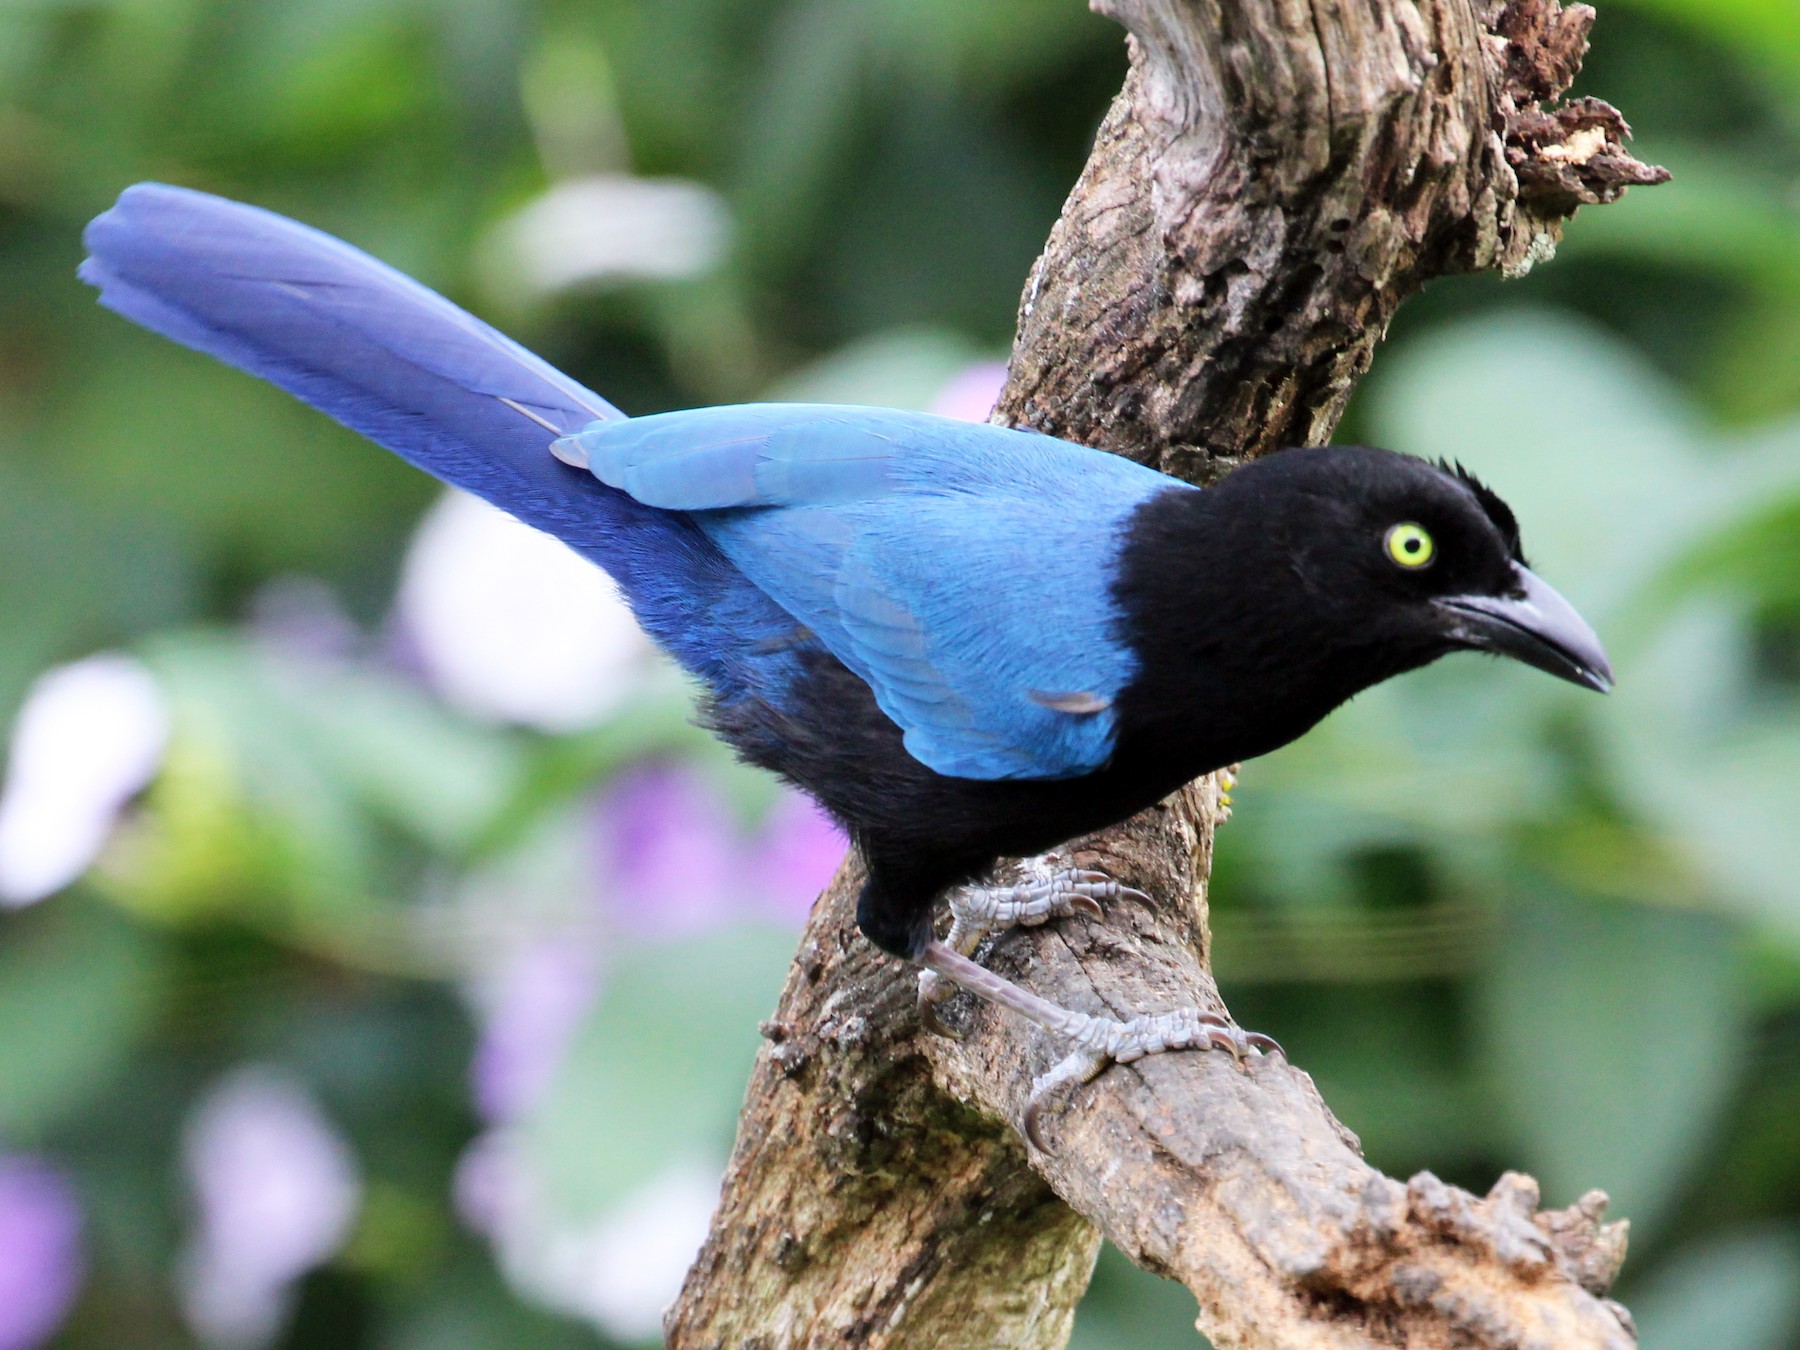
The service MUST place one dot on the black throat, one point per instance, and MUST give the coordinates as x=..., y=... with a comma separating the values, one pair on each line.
x=1240, y=650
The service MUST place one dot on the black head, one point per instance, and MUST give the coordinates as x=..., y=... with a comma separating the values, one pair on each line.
x=1393, y=561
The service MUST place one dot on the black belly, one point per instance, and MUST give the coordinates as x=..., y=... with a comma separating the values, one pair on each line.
x=921, y=831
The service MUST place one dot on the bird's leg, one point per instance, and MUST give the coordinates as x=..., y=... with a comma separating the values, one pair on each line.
x=976, y=911
x=1098, y=1041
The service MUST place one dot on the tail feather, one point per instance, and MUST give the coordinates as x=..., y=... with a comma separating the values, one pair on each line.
x=351, y=336
x=402, y=365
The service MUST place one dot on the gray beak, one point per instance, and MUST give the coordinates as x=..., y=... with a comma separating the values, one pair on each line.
x=1534, y=625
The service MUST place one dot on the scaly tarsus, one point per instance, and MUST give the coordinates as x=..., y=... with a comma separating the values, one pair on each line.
x=976, y=911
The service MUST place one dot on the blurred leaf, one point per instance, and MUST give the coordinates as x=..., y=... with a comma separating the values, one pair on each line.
x=331, y=728
x=229, y=463
x=1721, y=215
x=76, y=578
x=78, y=994
x=560, y=769
x=1392, y=1060
x=1742, y=225
x=227, y=705
x=1615, y=1034
x=1736, y=1290
x=1715, y=768
x=365, y=80
x=906, y=368
x=441, y=778
x=1448, y=756
x=466, y=1307
x=1765, y=32
x=1131, y=1309
x=1001, y=43
x=1755, y=554
x=803, y=124
x=657, y=1072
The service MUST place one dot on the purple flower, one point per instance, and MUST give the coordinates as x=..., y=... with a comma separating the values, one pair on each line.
x=674, y=862
x=971, y=395
x=799, y=849
x=530, y=1013
x=41, y=1265
x=669, y=853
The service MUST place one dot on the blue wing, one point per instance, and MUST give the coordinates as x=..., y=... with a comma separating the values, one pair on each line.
x=964, y=571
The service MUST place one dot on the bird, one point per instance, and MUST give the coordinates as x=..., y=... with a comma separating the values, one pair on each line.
x=968, y=642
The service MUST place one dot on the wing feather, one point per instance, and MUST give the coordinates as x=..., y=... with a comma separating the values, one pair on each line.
x=959, y=569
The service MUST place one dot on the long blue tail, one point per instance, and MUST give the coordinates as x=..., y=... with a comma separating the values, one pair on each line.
x=349, y=335
x=411, y=371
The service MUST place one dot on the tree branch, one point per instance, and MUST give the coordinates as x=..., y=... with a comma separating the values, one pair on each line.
x=1273, y=180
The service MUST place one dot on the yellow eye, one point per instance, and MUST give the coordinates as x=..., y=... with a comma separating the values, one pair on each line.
x=1410, y=546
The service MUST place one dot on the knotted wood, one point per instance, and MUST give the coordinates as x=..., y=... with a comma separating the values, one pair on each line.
x=1272, y=181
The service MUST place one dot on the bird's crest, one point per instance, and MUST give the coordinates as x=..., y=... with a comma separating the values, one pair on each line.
x=1491, y=504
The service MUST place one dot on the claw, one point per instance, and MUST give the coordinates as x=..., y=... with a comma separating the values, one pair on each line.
x=1095, y=1041
x=929, y=1019
x=1115, y=890
x=980, y=910
x=1029, y=1124
x=1231, y=1042
x=933, y=991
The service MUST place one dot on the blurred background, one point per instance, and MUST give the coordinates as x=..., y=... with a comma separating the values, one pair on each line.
x=380, y=952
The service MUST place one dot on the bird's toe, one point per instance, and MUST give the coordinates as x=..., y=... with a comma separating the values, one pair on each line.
x=1103, y=1042
x=932, y=992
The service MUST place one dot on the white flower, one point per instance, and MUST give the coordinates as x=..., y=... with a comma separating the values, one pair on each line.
x=630, y=1266
x=613, y=227
x=618, y=1271
x=276, y=1191
x=89, y=737
x=514, y=626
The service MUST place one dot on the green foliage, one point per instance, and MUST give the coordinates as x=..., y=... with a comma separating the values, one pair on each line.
x=78, y=997
x=1603, y=1077
x=658, y=1068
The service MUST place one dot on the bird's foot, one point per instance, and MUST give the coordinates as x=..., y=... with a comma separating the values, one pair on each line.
x=1104, y=1041
x=1097, y=1041
x=1069, y=891
x=976, y=911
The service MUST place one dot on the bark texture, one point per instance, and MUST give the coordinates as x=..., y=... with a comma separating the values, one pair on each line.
x=1275, y=177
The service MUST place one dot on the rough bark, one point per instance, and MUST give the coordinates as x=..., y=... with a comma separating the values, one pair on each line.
x=1273, y=180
